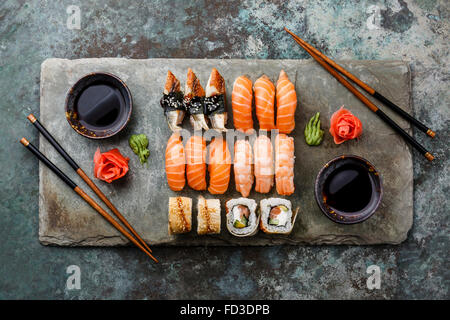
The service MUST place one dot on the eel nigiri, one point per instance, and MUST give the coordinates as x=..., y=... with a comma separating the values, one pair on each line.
x=263, y=164
x=264, y=102
x=196, y=162
x=243, y=167
x=286, y=104
x=194, y=101
x=219, y=167
x=284, y=164
x=215, y=104
x=175, y=163
x=172, y=102
x=241, y=100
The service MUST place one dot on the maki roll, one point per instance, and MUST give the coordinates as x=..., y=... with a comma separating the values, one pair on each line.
x=180, y=215
x=172, y=102
x=242, y=220
x=277, y=216
x=208, y=217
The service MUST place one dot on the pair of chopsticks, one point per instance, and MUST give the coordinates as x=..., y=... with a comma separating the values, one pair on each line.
x=140, y=243
x=332, y=66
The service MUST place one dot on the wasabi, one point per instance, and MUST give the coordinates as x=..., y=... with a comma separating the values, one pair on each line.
x=313, y=133
x=139, y=144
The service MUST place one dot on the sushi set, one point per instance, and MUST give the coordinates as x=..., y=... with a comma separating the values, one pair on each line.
x=228, y=203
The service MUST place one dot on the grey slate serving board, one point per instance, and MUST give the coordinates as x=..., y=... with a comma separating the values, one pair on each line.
x=142, y=195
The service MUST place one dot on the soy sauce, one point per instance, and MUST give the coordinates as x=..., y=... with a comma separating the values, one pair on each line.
x=349, y=188
x=99, y=106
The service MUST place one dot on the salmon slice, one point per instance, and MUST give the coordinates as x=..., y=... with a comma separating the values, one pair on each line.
x=284, y=164
x=286, y=104
x=264, y=102
x=194, y=101
x=219, y=166
x=263, y=164
x=215, y=104
x=196, y=162
x=241, y=101
x=243, y=167
x=175, y=163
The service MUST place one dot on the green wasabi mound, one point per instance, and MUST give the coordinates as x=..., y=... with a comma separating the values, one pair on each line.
x=313, y=133
x=139, y=144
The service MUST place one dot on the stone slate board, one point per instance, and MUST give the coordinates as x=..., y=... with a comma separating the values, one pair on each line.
x=142, y=195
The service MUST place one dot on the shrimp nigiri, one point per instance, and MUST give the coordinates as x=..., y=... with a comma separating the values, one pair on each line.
x=284, y=164
x=215, y=104
x=194, y=101
x=219, y=167
x=286, y=104
x=243, y=167
x=263, y=164
x=196, y=162
x=241, y=100
x=172, y=102
x=264, y=102
x=175, y=163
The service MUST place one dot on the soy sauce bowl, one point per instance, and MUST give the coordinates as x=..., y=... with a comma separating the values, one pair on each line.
x=350, y=168
x=98, y=105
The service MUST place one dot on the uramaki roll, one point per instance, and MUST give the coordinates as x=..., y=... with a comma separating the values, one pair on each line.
x=180, y=215
x=277, y=216
x=208, y=217
x=242, y=219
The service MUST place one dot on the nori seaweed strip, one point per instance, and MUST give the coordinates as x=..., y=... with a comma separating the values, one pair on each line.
x=195, y=105
x=215, y=104
x=172, y=101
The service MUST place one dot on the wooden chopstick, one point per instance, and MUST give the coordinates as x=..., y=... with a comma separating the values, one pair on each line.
x=83, y=195
x=83, y=175
x=366, y=101
x=365, y=86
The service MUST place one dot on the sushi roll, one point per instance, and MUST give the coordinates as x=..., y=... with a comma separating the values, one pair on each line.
x=277, y=216
x=242, y=219
x=215, y=104
x=194, y=101
x=180, y=215
x=172, y=102
x=208, y=216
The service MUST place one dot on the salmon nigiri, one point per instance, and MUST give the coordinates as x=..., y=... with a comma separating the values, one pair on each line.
x=219, y=166
x=286, y=104
x=215, y=104
x=243, y=167
x=194, y=101
x=284, y=164
x=175, y=163
x=241, y=101
x=264, y=102
x=196, y=162
x=263, y=164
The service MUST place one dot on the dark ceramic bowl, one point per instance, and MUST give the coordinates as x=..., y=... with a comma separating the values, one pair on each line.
x=340, y=216
x=98, y=105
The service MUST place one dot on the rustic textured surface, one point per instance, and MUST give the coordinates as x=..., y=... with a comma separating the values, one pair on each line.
x=142, y=195
x=416, y=32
